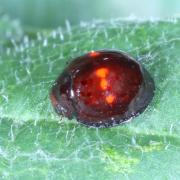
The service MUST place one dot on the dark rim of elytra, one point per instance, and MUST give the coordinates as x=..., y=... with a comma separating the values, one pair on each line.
x=145, y=93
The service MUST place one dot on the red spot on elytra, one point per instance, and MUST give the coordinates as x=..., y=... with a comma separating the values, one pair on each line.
x=110, y=98
x=94, y=54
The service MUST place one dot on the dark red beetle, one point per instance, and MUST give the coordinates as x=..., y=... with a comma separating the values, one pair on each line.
x=102, y=89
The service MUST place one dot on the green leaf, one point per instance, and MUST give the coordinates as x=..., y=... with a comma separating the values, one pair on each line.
x=35, y=144
x=10, y=30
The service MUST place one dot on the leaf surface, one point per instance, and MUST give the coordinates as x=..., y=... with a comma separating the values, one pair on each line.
x=35, y=144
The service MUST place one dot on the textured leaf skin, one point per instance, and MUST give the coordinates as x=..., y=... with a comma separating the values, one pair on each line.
x=10, y=31
x=35, y=144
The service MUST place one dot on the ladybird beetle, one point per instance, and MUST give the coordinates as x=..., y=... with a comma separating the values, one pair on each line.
x=102, y=89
